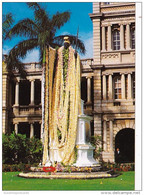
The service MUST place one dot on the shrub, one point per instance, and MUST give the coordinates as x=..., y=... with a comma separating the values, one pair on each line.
x=15, y=167
x=96, y=141
x=118, y=166
x=18, y=149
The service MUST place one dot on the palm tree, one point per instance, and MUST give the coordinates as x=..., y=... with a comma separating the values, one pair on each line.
x=40, y=33
x=7, y=21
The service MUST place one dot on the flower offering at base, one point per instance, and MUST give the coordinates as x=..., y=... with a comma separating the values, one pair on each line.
x=49, y=169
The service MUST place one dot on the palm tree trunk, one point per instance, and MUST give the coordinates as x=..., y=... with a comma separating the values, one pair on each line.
x=45, y=108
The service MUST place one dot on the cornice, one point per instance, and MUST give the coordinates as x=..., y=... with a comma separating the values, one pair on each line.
x=114, y=66
x=111, y=14
x=95, y=15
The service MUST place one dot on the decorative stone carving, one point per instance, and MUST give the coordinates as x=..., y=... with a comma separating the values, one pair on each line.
x=110, y=55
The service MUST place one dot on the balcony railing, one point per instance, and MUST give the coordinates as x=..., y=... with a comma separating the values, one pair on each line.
x=36, y=66
x=27, y=110
x=33, y=66
x=87, y=62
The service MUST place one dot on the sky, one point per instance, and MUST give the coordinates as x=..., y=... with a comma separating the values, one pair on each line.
x=79, y=18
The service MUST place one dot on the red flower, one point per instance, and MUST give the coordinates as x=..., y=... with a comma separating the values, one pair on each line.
x=49, y=169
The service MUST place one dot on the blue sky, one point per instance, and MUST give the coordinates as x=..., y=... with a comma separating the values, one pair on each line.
x=79, y=17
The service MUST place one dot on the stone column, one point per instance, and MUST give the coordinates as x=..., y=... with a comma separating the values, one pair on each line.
x=129, y=86
x=111, y=134
x=32, y=92
x=88, y=89
x=31, y=130
x=103, y=39
x=16, y=128
x=110, y=92
x=109, y=38
x=104, y=135
x=121, y=36
x=128, y=36
x=17, y=93
x=123, y=85
x=104, y=87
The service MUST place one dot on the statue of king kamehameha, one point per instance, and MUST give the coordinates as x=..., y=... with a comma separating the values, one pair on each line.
x=61, y=104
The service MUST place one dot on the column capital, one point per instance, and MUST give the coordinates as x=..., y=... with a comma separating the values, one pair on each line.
x=109, y=24
x=104, y=74
x=15, y=122
x=128, y=23
x=121, y=73
x=17, y=79
x=110, y=120
x=122, y=23
x=129, y=72
x=32, y=79
x=31, y=122
x=88, y=77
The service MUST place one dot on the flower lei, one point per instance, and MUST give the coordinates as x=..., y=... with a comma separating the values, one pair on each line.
x=62, y=103
x=66, y=104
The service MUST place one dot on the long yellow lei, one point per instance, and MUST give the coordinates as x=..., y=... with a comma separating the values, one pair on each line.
x=64, y=108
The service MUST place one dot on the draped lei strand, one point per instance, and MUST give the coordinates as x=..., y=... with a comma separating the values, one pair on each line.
x=66, y=98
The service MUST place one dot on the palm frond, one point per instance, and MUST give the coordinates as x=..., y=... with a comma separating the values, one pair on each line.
x=41, y=16
x=59, y=19
x=7, y=21
x=25, y=27
x=73, y=40
x=19, y=51
x=13, y=63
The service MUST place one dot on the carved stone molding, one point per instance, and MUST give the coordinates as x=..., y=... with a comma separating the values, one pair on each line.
x=113, y=55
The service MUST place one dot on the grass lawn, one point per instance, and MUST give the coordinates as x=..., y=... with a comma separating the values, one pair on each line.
x=10, y=181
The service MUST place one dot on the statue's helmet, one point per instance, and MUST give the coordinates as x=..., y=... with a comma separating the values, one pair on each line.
x=66, y=40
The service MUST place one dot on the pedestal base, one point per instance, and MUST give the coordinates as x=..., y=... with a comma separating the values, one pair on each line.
x=85, y=156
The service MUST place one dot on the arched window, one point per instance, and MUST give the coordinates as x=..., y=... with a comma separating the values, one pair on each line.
x=116, y=40
x=133, y=38
x=117, y=87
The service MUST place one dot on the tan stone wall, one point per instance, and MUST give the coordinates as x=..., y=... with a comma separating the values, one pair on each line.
x=96, y=7
x=117, y=114
x=96, y=41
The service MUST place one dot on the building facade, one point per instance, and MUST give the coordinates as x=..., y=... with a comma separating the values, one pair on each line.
x=114, y=76
x=107, y=84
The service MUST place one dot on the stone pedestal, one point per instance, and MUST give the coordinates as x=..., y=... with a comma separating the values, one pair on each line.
x=84, y=148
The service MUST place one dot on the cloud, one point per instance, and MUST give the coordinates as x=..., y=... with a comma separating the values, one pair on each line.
x=87, y=38
x=32, y=56
x=6, y=49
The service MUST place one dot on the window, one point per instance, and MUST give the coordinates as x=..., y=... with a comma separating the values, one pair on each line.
x=116, y=40
x=106, y=3
x=117, y=88
x=133, y=38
